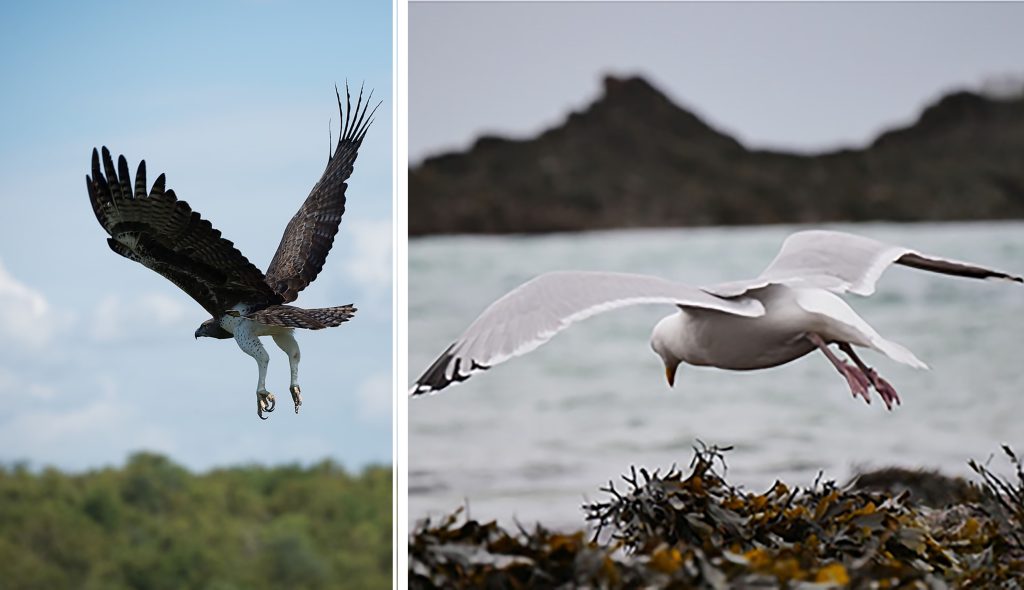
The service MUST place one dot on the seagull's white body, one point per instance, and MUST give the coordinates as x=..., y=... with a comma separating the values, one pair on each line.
x=716, y=339
x=792, y=308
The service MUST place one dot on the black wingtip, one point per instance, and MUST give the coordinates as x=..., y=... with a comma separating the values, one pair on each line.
x=140, y=180
x=348, y=105
x=158, y=186
x=124, y=177
x=436, y=378
x=355, y=122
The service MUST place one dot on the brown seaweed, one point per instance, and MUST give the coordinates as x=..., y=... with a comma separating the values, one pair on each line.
x=694, y=529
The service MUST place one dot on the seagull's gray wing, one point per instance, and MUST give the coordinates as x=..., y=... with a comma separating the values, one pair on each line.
x=843, y=262
x=534, y=312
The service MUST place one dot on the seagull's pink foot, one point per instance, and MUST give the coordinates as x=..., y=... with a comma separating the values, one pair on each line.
x=859, y=382
x=884, y=389
x=856, y=379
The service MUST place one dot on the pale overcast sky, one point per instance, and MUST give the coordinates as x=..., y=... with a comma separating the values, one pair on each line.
x=231, y=99
x=802, y=76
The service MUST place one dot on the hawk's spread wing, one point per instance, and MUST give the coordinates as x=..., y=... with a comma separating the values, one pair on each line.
x=164, y=234
x=310, y=233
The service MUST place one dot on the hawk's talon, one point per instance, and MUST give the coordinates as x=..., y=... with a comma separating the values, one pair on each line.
x=265, y=402
x=296, y=396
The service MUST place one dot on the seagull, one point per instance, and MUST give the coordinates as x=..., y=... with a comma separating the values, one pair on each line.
x=791, y=309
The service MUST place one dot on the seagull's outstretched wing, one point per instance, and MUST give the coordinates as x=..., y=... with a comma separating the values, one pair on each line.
x=164, y=234
x=310, y=234
x=843, y=262
x=534, y=312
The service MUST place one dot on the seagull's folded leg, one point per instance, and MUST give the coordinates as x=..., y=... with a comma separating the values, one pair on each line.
x=883, y=387
x=855, y=377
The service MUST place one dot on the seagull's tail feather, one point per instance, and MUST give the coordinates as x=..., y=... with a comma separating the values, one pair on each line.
x=845, y=325
x=897, y=352
x=311, y=319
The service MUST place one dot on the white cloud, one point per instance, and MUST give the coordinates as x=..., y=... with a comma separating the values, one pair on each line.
x=48, y=427
x=13, y=385
x=116, y=319
x=94, y=429
x=25, y=316
x=370, y=261
x=375, y=397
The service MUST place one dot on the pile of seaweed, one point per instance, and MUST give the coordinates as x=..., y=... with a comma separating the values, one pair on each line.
x=696, y=530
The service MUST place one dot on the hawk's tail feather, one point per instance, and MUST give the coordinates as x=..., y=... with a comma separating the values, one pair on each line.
x=290, y=316
x=332, y=316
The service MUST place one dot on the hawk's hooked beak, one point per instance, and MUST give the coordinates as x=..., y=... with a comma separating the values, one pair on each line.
x=670, y=373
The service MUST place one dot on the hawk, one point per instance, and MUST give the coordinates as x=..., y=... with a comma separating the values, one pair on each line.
x=163, y=233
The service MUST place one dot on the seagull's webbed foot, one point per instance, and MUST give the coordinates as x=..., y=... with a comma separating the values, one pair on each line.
x=857, y=381
x=884, y=389
x=296, y=396
x=265, y=402
x=856, y=378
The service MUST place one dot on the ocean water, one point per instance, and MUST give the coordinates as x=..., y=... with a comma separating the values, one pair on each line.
x=532, y=439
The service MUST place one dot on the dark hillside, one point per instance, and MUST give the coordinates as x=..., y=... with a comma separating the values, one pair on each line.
x=635, y=159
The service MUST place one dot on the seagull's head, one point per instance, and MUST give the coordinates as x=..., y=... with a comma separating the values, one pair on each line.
x=211, y=329
x=663, y=338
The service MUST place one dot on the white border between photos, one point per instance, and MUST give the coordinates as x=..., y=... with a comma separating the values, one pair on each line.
x=400, y=292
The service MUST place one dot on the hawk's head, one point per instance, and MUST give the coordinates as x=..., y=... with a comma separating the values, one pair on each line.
x=211, y=329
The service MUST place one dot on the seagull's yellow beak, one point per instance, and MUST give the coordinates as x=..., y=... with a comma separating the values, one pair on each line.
x=670, y=373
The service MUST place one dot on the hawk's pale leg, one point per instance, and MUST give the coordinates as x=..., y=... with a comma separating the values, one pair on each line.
x=287, y=343
x=250, y=345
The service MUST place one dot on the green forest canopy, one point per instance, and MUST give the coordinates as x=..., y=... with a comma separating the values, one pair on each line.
x=152, y=524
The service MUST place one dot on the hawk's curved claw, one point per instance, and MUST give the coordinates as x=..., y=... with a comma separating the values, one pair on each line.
x=296, y=396
x=265, y=402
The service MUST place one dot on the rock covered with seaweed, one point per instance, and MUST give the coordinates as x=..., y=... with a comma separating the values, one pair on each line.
x=694, y=529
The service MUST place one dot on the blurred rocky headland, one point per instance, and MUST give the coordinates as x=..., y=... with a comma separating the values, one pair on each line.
x=633, y=158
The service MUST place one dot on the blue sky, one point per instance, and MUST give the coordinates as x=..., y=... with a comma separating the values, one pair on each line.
x=232, y=101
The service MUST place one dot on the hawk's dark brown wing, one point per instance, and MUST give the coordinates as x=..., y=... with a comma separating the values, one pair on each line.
x=310, y=233
x=164, y=234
